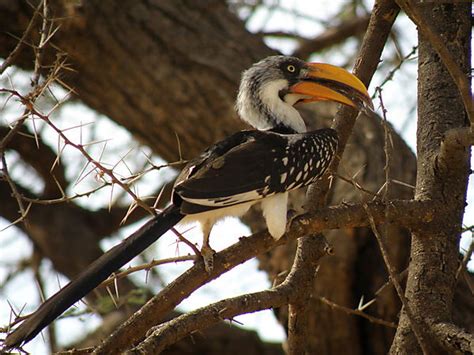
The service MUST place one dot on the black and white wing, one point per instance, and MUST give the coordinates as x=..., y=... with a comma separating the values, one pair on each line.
x=251, y=165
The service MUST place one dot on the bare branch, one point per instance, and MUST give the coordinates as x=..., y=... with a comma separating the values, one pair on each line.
x=21, y=42
x=466, y=258
x=407, y=213
x=304, y=269
x=147, y=267
x=170, y=332
x=356, y=312
x=332, y=36
x=392, y=72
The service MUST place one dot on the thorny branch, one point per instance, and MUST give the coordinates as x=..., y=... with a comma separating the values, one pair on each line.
x=392, y=72
x=37, y=90
x=356, y=312
x=32, y=96
x=146, y=267
x=80, y=147
x=170, y=332
x=22, y=41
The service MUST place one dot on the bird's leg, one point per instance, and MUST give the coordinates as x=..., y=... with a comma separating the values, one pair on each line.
x=207, y=252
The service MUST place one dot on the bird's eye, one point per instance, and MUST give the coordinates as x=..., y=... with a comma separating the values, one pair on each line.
x=291, y=68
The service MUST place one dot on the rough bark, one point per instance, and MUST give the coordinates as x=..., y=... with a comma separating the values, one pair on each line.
x=434, y=250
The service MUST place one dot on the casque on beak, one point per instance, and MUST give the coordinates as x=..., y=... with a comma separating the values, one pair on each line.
x=323, y=82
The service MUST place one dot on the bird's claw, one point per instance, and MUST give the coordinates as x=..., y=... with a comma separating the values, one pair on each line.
x=207, y=254
x=291, y=214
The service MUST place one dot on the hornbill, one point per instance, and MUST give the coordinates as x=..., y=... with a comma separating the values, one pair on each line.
x=260, y=165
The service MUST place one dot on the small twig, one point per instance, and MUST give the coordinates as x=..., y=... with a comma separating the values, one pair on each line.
x=181, y=238
x=147, y=266
x=356, y=312
x=15, y=193
x=401, y=276
x=29, y=99
x=392, y=72
x=19, y=46
x=468, y=229
x=36, y=261
x=388, y=144
x=466, y=258
x=63, y=198
x=39, y=50
x=354, y=183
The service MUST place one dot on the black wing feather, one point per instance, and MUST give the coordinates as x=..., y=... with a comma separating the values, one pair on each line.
x=234, y=169
x=251, y=165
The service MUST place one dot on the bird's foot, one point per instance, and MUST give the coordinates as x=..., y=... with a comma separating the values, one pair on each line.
x=207, y=254
x=290, y=216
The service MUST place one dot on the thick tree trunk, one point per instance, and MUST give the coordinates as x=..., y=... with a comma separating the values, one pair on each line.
x=434, y=249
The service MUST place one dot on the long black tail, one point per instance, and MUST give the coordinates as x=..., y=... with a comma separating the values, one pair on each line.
x=91, y=277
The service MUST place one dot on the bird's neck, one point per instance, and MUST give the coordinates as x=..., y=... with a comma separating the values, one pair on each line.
x=281, y=129
x=264, y=109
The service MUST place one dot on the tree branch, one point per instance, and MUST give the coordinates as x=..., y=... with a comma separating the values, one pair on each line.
x=172, y=331
x=416, y=325
x=304, y=269
x=10, y=60
x=411, y=214
x=332, y=36
x=453, y=338
x=356, y=312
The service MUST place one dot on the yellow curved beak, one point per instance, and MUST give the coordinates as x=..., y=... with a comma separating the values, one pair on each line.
x=328, y=82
